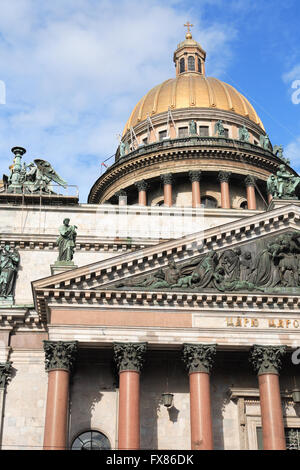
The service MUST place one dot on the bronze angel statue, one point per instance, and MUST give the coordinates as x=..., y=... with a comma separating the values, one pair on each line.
x=40, y=176
x=33, y=178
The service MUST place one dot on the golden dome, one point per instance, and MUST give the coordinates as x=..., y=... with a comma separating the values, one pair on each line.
x=192, y=90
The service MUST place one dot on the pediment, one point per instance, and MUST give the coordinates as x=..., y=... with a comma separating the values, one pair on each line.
x=132, y=274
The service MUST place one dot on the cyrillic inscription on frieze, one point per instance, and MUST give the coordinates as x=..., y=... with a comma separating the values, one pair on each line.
x=246, y=322
x=243, y=322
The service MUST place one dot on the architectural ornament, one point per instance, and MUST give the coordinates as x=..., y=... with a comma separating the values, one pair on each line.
x=33, y=178
x=267, y=359
x=66, y=241
x=194, y=176
x=167, y=178
x=192, y=128
x=5, y=373
x=9, y=264
x=59, y=354
x=219, y=129
x=283, y=185
x=270, y=267
x=129, y=356
x=199, y=357
x=244, y=135
x=142, y=185
x=224, y=176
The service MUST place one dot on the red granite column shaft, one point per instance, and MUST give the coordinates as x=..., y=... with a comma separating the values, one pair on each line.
x=59, y=357
x=267, y=362
x=129, y=410
x=167, y=182
x=196, y=193
x=251, y=199
x=271, y=412
x=250, y=188
x=225, y=198
x=200, y=412
x=55, y=432
x=129, y=358
x=199, y=359
x=142, y=188
x=225, y=195
x=196, y=199
x=142, y=198
x=270, y=197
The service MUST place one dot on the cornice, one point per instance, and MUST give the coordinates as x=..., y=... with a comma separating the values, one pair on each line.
x=19, y=315
x=38, y=242
x=235, y=393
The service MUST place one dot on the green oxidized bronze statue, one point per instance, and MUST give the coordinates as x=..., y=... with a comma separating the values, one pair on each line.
x=66, y=241
x=283, y=185
x=33, y=178
x=193, y=128
x=219, y=129
x=244, y=135
x=271, y=266
x=9, y=263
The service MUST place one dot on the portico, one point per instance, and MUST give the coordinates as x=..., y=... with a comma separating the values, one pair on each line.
x=178, y=341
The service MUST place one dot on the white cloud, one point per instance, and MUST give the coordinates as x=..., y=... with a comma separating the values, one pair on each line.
x=293, y=74
x=74, y=69
x=292, y=151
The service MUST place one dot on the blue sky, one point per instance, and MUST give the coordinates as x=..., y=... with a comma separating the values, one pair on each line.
x=74, y=69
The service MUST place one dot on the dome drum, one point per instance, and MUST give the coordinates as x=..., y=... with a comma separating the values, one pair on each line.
x=183, y=155
x=205, y=123
x=182, y=195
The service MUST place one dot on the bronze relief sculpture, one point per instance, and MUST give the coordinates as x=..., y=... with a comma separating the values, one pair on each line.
x=272, y=266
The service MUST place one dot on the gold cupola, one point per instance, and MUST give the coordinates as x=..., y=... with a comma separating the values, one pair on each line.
x=192, y=90
x=189, y=55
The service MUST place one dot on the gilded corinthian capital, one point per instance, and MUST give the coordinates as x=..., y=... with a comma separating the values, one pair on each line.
x=224, y=176
x=194, y=175
x=199, y=357
x=129, y=356
x=267, y=359
x=142, y=185
x=5, y=373
x=167, y=178
x=60, y=354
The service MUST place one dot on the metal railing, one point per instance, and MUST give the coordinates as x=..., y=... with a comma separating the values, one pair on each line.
x=194, y=140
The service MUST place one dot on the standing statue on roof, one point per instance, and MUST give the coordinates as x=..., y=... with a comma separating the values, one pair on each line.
x=66, y=241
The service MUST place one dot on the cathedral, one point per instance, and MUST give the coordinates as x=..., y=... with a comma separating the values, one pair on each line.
x=164, y=312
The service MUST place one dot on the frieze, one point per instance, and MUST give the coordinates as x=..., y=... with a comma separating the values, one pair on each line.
x=247, y=321
x=265, y=266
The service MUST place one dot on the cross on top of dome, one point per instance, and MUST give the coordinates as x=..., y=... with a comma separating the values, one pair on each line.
x=188, y=25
